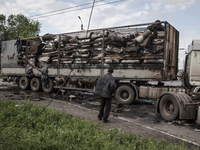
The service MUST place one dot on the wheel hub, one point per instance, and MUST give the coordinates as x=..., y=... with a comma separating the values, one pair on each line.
x=23, y=82
x=170, y=108
x=124, y=94
x=35, y=84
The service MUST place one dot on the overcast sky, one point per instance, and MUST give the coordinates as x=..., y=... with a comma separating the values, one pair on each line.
x=182, y=14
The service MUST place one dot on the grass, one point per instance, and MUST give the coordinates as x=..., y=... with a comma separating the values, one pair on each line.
x=57, y=130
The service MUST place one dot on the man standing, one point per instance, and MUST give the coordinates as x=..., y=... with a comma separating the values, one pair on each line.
x=105, y=88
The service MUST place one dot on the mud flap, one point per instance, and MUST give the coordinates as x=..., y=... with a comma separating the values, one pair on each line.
x=198, y=116
x=185, y=111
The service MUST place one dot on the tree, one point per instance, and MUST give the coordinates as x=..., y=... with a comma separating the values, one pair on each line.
x=2, y=28
x=22, y=26
x=2, y=23
x=17, y=25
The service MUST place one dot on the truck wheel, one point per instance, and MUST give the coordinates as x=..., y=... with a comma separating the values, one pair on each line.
x=35, y=84
x=47, y=86
x=24, y=83
x=168, y=108
x=125, y=94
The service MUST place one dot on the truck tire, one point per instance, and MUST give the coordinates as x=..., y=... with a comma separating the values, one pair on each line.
x=196, y=89
x=125, y=94
x=35, y=84
x=47, y=87
x=168, y=107
x=24, y=83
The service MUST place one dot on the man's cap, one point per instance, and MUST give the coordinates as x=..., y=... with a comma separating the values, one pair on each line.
x=110, y=70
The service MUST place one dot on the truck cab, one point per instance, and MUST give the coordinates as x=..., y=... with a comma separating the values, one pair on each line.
x=192, y=63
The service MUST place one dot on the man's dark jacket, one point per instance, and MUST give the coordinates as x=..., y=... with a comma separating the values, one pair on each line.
x=105, y=86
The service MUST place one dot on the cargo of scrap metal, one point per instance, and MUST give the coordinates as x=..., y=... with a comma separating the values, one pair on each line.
x=143, y=51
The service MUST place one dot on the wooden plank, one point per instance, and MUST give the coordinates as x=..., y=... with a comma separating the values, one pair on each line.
x=177, y=48
x=174, y=55
x=166, y=53
x=171, y=40
x=132, y=58
x=72, y=88
x=66, y=59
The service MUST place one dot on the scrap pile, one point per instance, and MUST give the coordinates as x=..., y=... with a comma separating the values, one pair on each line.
x=108, y=45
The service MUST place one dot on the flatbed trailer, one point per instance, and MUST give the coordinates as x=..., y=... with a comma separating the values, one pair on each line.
x=74, y=61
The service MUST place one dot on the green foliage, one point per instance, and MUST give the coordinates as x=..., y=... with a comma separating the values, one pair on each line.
x=2, y=18
x=17, y=25
x=57, y=130
x=22, y=26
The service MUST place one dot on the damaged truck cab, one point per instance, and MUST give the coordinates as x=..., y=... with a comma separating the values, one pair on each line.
x=140, y=54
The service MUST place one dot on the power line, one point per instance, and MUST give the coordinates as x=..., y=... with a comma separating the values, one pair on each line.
x=63, y=9
x=78, y=9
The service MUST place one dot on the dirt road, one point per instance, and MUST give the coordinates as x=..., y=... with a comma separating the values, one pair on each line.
x=139, y=118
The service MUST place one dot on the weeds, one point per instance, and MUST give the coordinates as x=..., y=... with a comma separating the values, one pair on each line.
x=57, y=130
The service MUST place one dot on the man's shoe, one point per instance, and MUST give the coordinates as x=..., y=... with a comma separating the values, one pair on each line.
x=99, y=118
x=105, y=121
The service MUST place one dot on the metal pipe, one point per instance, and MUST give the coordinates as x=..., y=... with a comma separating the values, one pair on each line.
x=143, y=36
x=109, y=28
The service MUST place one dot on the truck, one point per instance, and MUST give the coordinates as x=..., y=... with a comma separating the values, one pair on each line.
x=144, y=58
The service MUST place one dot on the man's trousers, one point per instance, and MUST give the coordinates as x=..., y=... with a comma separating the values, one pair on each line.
x=105, y=103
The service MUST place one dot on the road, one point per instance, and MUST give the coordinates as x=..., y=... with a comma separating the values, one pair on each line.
x=139, y=118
